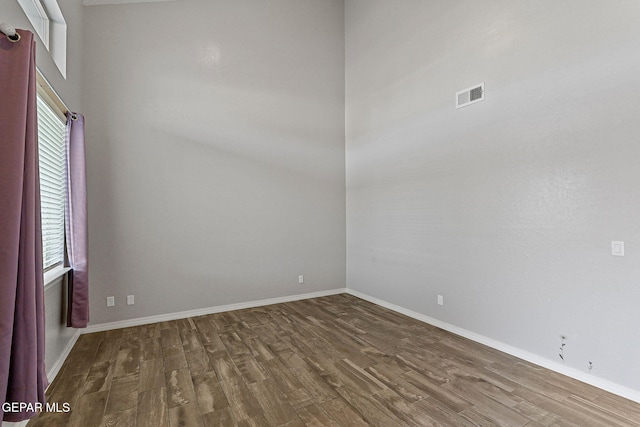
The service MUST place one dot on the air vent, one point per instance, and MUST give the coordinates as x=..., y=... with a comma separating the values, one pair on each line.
x=470, y=96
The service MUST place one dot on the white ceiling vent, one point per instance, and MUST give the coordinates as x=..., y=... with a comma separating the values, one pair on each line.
x=470, y=96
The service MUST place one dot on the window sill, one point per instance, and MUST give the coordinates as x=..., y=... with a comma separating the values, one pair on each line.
x=55, y=273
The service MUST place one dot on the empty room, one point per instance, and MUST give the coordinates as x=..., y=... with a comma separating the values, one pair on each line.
x=319, y=213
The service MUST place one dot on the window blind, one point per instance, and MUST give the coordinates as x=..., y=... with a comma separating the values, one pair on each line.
x=51, y=148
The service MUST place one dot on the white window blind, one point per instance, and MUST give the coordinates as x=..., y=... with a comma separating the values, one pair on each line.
x=51, y=134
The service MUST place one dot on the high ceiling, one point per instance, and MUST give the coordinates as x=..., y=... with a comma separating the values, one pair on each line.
x=97, y=2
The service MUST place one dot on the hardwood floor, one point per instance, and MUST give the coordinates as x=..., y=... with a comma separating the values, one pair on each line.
x=332, y=361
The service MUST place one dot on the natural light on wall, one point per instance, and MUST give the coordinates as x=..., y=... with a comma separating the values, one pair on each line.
x=48, y=22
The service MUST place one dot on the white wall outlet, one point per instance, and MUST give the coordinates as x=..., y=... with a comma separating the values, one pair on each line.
x=301, y=279
x=111, y=301
x=617, y=248
x=440, y=300
x=130, y=299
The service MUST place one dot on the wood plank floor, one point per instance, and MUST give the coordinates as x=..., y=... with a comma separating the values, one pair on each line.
x=332, y=361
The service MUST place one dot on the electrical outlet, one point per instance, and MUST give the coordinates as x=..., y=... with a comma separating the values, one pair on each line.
x=130, y=299
x=440, y=300
x=111, y=301
x=300, y=279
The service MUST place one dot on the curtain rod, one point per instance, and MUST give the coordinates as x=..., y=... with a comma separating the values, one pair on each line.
x=10, y=32
x=49, y=91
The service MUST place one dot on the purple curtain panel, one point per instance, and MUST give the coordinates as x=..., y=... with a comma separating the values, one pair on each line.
x=76, y=224
x=22, y=371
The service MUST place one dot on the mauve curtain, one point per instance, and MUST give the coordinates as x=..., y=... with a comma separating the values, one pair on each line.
x=76, y=224
x=22, y=371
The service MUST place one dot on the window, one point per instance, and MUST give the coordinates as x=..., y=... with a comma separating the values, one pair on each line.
x=51, y=149
x=38, y=17
x=48, y=22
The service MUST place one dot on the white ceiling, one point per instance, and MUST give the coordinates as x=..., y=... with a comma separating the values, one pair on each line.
x=97, y=2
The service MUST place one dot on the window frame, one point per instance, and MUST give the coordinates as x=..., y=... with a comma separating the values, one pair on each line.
x=39, y=18
x=51, y=27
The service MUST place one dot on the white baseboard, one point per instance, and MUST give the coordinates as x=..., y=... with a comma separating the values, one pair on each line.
x=601, y=383
x=595, y=381
x=204, y=311
x=55, y=369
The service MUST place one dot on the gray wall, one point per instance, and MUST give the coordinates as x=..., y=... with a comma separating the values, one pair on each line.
x=57, y=334
x=226, y=118
x=215, y=138
x=506, y=208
